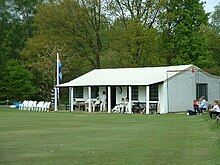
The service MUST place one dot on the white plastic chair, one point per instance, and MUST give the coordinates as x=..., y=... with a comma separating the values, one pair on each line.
x=39, y=106
x=46, y=106
x=21, y=106
x=25, y=105
x=30, y=105
x=116, y=109
x=34, y=106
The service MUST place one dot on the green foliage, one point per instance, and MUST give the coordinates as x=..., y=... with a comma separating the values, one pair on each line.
x=182, y=39
x=16, y=26
x=16, y=82
x=73, y=29
x=92, y=34
x=215, y=19
x=134, y=45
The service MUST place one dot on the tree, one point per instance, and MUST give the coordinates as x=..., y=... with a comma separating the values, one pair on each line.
x=213, y=34
x=16, y=26
x=16, y=82
x=181, y=35
x=134, y=35
x=74, y=29
x=215, y=19
x=134, y=46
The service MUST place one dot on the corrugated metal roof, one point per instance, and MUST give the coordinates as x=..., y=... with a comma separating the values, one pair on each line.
x=126, y=76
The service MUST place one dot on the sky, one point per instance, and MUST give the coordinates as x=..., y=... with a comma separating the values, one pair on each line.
x=210, y=4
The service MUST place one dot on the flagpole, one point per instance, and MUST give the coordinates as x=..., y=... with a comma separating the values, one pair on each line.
x=58, y=76
x=58, y=80
x=56, y=89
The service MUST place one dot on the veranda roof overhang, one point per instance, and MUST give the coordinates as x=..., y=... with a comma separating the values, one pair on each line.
x=127, y=76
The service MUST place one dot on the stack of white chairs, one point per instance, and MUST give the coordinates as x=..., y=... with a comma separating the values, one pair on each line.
x=24, y=105
x=30, y=105
x=35, y=106
x=46, y=107
x=40, y=106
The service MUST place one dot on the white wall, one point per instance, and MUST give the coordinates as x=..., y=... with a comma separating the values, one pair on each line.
x=182, y=90
x=162, y=89
x=121, y=95
x=213, y=85
x=142, y=93
x=85, y=93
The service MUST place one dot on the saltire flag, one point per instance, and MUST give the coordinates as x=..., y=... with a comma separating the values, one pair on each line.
x=59, y=69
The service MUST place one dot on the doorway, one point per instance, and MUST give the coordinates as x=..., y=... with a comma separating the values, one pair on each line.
x=113, y=97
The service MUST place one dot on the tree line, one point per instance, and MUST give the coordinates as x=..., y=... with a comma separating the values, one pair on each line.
x=92, y=34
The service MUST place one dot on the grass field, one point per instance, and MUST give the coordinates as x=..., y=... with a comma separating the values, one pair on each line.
x=63, y=138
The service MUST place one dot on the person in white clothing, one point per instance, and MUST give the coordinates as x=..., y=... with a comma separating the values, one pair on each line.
x=103, y=101
x=96, y=104
x=215, y=110
x=122, y=105
x=202, y=105
x=126, y=105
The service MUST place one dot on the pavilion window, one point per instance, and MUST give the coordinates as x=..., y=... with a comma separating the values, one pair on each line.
x=201, y=90
x=154, y=92
x=78, y=92
x=134, y=91
x=95, y=92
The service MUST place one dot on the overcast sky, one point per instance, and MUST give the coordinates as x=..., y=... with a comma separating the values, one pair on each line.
x=210, y=4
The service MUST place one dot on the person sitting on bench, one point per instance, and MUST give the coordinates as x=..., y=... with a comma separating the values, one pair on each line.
x=96, y=104
x=215, y=110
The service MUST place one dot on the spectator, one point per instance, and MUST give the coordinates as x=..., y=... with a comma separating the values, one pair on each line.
x=126, y=105
x=202, y=104
x=195, y=106
x=215, y=110
x=103, y=101
x=122, y=105
x=96, y=104
x=74, y=104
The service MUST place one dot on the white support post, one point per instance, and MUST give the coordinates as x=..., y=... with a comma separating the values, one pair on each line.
x=69, y=95
x=90, y=105
x=147, y=99
x=57, y=76
x=109, y=99
x=130, y=99
x=71, y=99
x=55, y=100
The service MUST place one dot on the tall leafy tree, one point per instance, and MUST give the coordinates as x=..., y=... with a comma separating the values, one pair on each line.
x=182, y=40
x=215, y=19
x=17, y=82
x=134, y=34
x=213, y=33
x=75, y=29
x=15, y=28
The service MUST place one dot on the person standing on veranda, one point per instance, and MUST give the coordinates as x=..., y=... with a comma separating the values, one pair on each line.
x=103, y=101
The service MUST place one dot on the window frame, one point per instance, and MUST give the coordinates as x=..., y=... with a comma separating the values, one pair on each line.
x=94, y=92
x=135, y=92
x=154, y=92
x=198, y=90
x=78, y=92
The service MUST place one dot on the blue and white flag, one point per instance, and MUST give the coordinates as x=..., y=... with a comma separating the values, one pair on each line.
x=59, y=68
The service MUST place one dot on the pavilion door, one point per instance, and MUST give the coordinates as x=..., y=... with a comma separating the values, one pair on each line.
x=113, y=97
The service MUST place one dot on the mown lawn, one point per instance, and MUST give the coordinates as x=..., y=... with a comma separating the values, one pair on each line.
x=63, y=138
